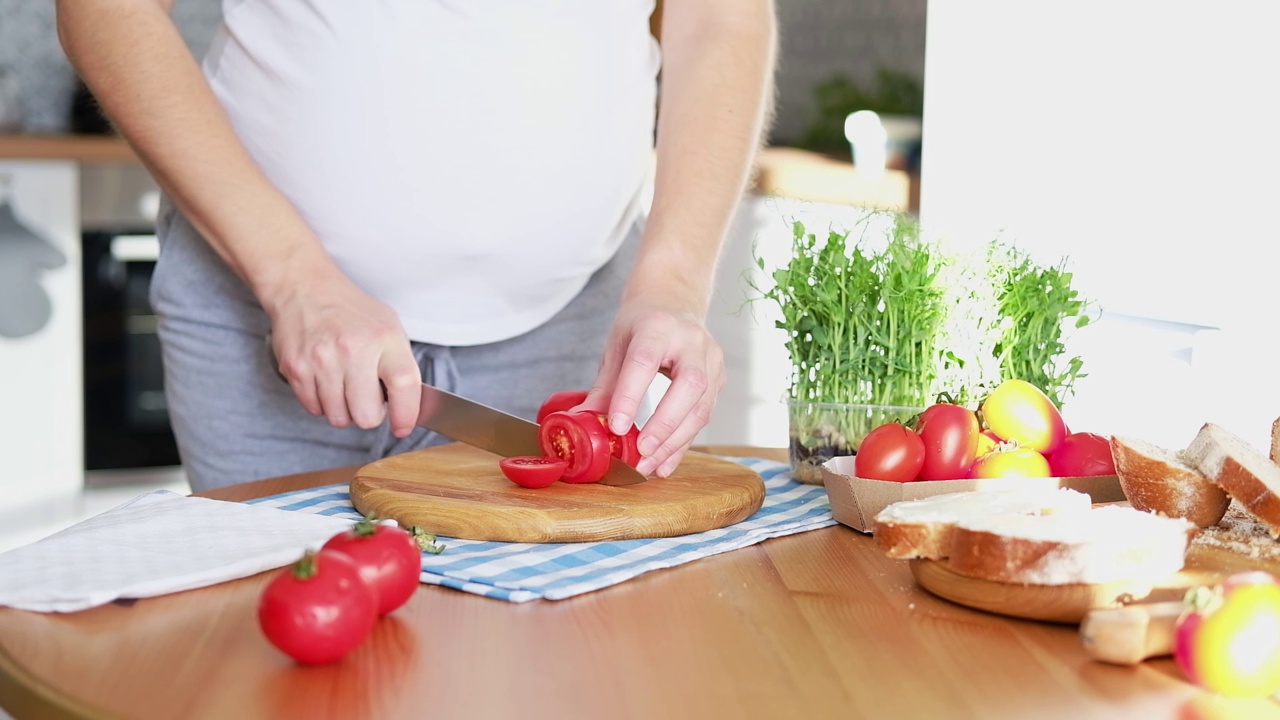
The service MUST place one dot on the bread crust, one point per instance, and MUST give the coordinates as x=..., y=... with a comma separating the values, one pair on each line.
x=1163, y=485
x=999, y=558
x=1225, y=458
x=1275, y=441
x=908, y=540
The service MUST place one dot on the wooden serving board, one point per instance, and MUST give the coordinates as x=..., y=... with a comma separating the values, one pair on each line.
x=458, y=491
x=1070, y=603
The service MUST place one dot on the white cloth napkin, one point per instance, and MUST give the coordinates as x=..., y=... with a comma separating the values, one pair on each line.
x=158, y=543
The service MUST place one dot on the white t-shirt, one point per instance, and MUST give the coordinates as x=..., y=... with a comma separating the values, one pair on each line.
x=469, y=162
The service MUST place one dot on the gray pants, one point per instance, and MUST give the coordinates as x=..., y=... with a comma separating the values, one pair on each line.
x=234, y=418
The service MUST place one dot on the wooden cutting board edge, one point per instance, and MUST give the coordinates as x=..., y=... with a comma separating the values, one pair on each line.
x=541, y=522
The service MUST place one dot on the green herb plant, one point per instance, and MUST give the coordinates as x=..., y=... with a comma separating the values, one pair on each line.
x=862, y=316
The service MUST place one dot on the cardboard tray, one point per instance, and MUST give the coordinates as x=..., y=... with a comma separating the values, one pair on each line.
x=856, y=501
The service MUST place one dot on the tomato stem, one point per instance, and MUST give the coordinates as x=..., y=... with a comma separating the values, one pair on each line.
x=426, y=541
x=306, y=566
x=366, y=526
x=1203, y=599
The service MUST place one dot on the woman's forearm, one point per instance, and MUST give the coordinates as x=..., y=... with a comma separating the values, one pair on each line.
x=717, y=98
x=132, y=57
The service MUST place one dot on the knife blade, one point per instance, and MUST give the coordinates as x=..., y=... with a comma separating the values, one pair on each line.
x=500, y=433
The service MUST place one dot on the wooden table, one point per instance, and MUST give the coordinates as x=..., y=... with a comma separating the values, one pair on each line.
x=814, y=625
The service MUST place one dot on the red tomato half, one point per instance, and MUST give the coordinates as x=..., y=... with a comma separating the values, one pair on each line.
x=1082, y=454
x=1014, y=462
x=1019, y=411
x=580, y=440
x=559, y=401
x=891, y=452
x=950, y=434
x=388, y=558
x=319, y=609
x=532, y=471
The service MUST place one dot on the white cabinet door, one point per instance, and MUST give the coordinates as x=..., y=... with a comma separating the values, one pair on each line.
x=41, y=397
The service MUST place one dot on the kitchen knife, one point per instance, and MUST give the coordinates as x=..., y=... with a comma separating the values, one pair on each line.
x=489, y=429
x=470, y=422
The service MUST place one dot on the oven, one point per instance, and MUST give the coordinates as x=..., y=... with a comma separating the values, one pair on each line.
x=126, y=419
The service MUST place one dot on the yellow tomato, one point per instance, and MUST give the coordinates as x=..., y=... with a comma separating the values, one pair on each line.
x=1014, y=462
x=1019, y=411
x=1231, y=644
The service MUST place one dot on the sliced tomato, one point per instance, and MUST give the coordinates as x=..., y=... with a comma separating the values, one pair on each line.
x=580, y=440
x=622, y=446
x=558, y=401
x=533, y=471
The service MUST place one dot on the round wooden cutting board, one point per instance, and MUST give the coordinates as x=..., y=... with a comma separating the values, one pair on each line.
x=458, y=491
x=1050, y=603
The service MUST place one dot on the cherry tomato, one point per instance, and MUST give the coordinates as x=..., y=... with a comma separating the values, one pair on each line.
x=319, y=609
x=950, y=434
x=558, y=401
x=1082, y=454
x=533, y=471
x=1019, y=411
x=580, y=440
x=1010, y=462
x=891, y=452
x=1228, y=639
x=388, y=558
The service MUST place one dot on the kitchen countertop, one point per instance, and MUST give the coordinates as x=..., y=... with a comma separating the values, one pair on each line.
x=780, y=171
x=819, y=624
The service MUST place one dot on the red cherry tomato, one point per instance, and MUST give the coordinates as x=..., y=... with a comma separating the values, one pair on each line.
x=558, y=401
x=891, y=452
x=1228, y=639
x=1082, y=454
x=950, y=434
x=388, y=558
x=532, y=471
x=319, y=609
x=580, y=440
x=1011, y=462
x=1019, y=411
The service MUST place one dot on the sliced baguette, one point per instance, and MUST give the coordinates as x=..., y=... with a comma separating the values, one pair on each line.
x=1275, y=441
x=1106, y=544
x=1239, y=468
x=1156, y=479
x=923, y=528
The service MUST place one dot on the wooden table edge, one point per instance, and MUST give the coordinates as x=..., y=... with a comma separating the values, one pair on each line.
x=41, y=701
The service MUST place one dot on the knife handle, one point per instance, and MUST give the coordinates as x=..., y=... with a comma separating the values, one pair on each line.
x=1130, y=634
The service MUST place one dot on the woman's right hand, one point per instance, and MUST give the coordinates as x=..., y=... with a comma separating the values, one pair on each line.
x=338, y=348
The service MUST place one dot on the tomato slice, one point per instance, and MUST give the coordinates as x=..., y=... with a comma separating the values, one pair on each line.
x=532, y=471
x=558, y=401
x=622, y=446
x=580, y=440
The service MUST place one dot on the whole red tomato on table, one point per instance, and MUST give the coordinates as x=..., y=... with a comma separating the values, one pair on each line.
x=319, y=609
x=891, y=452
x=388, y=558
x=950, y=434
x=1082, y=454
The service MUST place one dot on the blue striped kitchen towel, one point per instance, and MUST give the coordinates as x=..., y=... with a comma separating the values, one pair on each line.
x=519, y=572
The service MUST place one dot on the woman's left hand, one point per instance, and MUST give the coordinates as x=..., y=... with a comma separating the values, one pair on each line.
x=649, y=338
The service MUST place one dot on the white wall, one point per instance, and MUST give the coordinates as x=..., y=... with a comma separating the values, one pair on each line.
x=1139, y=140
x=41, y=386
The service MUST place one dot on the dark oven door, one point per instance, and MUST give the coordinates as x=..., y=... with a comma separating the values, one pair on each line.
x=126, y=415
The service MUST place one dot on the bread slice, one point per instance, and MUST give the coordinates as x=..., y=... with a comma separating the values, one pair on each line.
x=1160, y=480
x=1106, y=544
x=923, y=528
x=1275, y=441
x=1239, y=468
